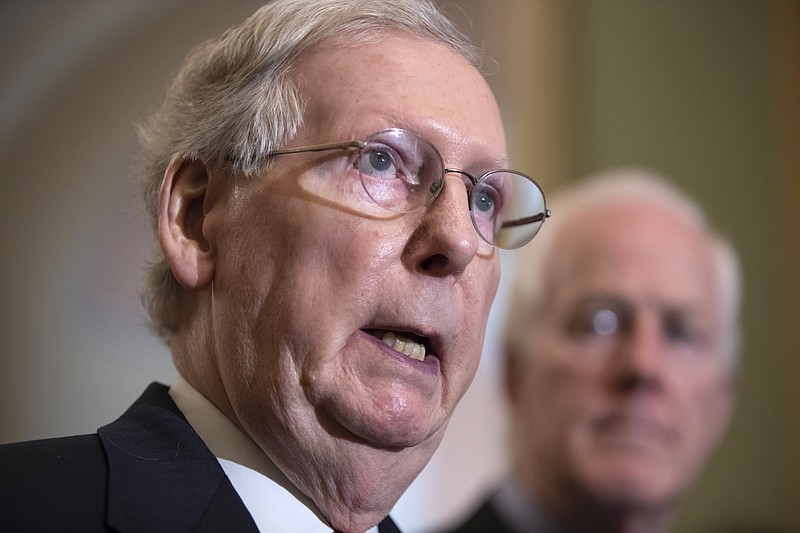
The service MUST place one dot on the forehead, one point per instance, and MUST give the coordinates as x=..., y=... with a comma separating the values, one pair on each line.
x=354, y=90
x=638, y=252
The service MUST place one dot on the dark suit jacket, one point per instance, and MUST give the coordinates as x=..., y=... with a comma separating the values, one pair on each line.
x=147, y=471
x=490, y=515
x=485, y=519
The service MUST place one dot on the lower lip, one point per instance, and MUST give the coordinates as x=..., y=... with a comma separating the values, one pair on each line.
x=429, y=365
x=640, y=431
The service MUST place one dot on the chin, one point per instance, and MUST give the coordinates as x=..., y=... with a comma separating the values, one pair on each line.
x=394, y=433
x=632, y=488
x=393, y=424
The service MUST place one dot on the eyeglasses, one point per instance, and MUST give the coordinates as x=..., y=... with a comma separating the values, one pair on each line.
x=402, y=172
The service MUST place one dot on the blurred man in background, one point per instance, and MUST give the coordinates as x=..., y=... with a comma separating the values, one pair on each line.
x=621, y=352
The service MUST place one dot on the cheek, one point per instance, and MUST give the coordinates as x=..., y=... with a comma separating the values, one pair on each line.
x=492, y=282
x=709, y=409
x=283, y=245
x=365, y=251
x=561, y=400
x=562, y=369
x=553, y=394
x=479, y=287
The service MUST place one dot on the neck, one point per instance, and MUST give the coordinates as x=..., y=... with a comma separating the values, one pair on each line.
x=349, y=506
x=583, y=512
x=363, y=485
x=618, y=521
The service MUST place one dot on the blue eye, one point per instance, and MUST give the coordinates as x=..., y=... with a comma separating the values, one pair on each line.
x=379, y=162
x=486, y=204
x=492, y=194
x=483, y=202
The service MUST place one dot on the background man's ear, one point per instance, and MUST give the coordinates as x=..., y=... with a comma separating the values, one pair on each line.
x=512, y=367
x=180, y=223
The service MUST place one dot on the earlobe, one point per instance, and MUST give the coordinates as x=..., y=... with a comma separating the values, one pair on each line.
x=729, y=398
x=181, y=214
x=511, y=375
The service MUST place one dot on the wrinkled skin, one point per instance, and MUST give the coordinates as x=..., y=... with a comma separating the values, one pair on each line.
x=286, y=284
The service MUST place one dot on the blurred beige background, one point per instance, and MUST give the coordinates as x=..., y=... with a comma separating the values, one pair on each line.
x=705, y=91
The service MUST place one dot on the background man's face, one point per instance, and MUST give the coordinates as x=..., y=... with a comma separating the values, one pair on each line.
x=625, y=389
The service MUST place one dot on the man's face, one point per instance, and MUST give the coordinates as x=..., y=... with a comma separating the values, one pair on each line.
x=302, y=282
x=624, y=389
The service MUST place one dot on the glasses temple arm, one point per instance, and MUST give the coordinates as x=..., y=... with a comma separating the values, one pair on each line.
x=539, y=217
x=319, y=148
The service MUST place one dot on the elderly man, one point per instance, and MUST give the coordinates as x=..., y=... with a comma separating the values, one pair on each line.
x=621, y=347
x=325, y=189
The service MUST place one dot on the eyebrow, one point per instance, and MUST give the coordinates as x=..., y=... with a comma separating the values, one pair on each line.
x=615, y=302
x=482, y=164
x=603, y=299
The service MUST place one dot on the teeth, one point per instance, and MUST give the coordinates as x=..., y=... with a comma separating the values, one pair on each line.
x=404, y=345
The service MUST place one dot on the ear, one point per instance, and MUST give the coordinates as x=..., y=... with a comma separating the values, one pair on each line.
x=512, y=372
x=729, y=396
x=180, y=223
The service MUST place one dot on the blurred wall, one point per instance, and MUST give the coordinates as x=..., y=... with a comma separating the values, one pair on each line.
x=705, y=92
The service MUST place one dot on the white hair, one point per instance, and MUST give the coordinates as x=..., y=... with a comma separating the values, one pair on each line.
x=613, y=187
x=234, y=99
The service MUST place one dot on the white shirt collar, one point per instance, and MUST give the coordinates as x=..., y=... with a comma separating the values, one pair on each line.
x=273, y=501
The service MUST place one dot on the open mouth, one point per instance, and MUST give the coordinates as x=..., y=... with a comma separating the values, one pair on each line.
x=404, y=342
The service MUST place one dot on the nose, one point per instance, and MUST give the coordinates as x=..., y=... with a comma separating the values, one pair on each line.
x=444, y=241
x=639, y=359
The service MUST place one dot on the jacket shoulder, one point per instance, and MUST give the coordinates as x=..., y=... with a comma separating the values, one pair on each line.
x=53, y=484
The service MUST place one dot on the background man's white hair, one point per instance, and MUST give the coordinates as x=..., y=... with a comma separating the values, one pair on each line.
x=608, y=188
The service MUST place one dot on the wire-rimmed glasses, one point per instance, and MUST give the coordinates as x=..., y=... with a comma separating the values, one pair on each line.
x=401, y=172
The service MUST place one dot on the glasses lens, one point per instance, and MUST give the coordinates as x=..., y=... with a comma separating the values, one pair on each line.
x=400, y=170
x=507, y=208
